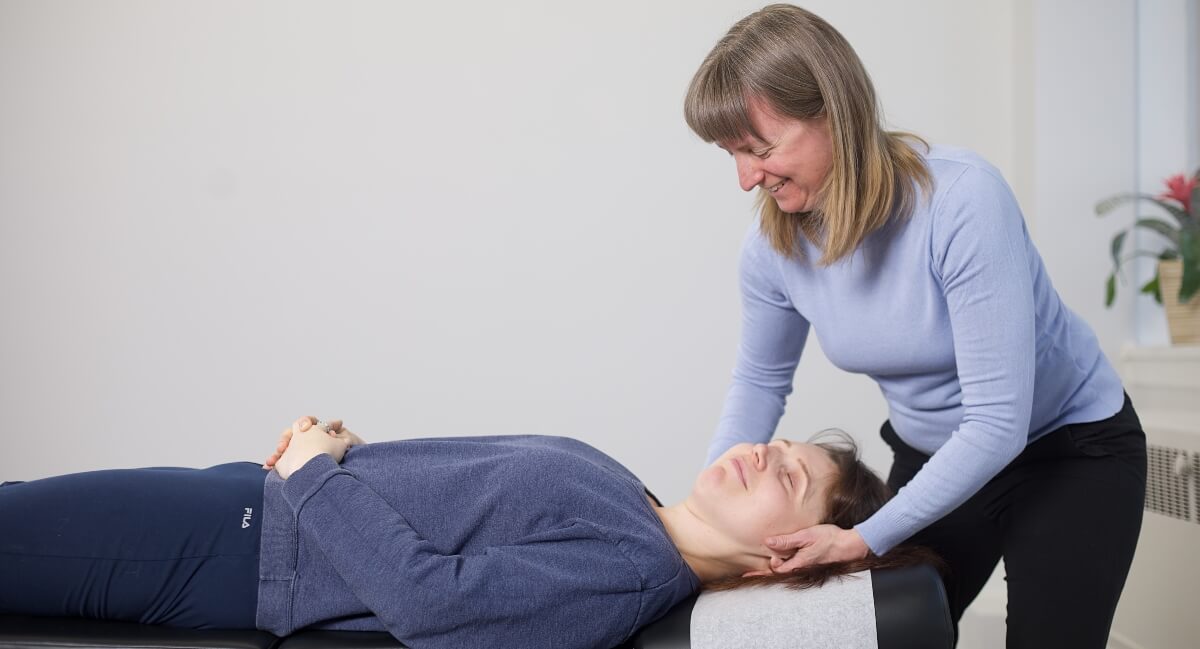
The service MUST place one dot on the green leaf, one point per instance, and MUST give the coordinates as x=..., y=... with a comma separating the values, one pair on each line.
x=1160, y=256
x=1168, y=231
x=1117, y=242
x=1189, y=251
x=1151, y=288
x=1109, y=204
x=1196, y=199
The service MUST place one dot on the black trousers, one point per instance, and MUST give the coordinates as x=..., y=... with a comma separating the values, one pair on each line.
x=1065, y=515
x=170, y=546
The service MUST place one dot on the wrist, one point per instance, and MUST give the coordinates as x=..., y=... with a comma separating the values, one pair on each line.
x=287, y=469
x=309, y=479
x=853, y=545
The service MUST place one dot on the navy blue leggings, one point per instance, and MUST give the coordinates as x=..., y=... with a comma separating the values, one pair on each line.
x=170, y=546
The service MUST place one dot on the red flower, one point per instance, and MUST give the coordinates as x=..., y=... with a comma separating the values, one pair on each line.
x=1179, y=189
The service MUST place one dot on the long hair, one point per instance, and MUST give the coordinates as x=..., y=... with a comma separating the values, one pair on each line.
x=804, y=69
x=856, y=493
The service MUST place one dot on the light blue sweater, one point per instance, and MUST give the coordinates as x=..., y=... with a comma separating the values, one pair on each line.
x=952, y=314
x=468, y=542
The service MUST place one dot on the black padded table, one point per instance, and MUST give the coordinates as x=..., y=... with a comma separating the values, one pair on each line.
x=911, y=612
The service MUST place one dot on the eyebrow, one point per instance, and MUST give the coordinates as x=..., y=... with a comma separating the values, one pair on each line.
x=803, y=467
x=751, y=146
x=807, y=480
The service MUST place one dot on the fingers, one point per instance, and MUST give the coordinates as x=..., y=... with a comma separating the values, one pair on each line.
x=776, y=564
x=796, y=562
x=820, y=544
x=303, y=424
x=272, y=459
x=285, y=438
x=789, y=541
x=332, y=427
x=782, y=559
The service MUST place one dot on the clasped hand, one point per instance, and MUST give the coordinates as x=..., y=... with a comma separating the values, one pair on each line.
x=304, y=440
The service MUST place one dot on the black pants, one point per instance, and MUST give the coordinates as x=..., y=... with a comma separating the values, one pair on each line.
x=170, y=546
x=1065, y=515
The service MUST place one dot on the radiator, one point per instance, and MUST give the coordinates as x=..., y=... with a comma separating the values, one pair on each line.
x=1160, y=607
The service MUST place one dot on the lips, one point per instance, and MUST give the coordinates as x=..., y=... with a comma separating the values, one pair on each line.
x=741, y=472
x=776, y=187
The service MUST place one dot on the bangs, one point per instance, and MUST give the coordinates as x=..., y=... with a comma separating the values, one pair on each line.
x=715, y=108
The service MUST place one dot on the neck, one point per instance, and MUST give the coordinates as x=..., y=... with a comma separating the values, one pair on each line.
x=709, y=553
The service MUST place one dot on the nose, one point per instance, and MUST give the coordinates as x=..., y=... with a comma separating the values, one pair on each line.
x=760, y=456
x=749, y=170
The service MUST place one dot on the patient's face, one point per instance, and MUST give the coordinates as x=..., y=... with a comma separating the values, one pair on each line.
x=758, y=490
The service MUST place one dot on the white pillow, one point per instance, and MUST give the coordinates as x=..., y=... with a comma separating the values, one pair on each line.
x=839, y=614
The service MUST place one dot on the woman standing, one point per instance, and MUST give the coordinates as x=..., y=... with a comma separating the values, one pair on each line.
x=1011, y=431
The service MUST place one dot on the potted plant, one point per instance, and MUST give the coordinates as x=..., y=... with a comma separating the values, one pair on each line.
x=1178, y=272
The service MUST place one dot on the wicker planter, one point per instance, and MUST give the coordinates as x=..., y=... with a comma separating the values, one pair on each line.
x=1183, y=320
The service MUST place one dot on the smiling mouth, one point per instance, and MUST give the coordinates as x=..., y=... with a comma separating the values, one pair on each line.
x=775, y=188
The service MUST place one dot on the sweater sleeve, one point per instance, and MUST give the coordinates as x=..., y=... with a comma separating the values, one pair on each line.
x=980, y=255
x=772, y=339
x=565, y=587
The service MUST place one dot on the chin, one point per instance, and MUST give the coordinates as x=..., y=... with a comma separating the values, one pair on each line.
x=793, y=205
x=789, y=206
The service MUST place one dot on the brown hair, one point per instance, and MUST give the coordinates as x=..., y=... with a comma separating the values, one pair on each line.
x=856, y=493
x=804, y=69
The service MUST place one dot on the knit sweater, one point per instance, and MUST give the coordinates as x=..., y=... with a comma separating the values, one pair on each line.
x=951, y=312
x=468, y=542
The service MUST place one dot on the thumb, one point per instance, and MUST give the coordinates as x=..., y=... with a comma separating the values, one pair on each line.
x=791, y=541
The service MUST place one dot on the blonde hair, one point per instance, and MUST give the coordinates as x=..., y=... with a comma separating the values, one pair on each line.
x=802, y=68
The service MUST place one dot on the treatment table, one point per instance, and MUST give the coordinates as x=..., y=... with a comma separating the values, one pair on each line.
x=909, y=608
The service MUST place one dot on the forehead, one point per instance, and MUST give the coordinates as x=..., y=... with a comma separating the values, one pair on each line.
x=764, y=126
x=818, y=460
x=747, y=141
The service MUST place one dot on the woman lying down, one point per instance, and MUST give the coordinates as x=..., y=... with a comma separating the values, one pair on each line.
x=521, y=541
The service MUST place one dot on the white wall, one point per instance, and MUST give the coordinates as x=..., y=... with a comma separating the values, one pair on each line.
x=1085, y=150
x=426, y=219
